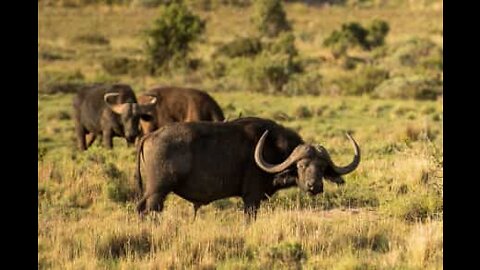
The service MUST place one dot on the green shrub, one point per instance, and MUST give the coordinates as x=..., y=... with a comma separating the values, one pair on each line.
x=377, y=31
x=283, y=44
x=169, y=40
x=241, y=47
x=353, y=35
x=362, y=81
x=270, y=73
x=350, y=35
x=411, y=87
x=415, y=52
x=270, y=18
x=304, y=84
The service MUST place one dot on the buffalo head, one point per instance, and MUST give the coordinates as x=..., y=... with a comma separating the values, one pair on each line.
x=312, y=165
x=130, y=114
x=148, y=121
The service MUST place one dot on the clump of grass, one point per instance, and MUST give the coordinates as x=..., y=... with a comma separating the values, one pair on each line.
x=286, y=253
x=302, y=112
x=320, y=110
x=52, y=82
x=362, y=81
x=309, y=83
x=124, y=65
x=410, y=87
x=91, y=39
x=414, y=207
x=121, y=244
x=416, y=132
x=280, y=116
x=240, y=47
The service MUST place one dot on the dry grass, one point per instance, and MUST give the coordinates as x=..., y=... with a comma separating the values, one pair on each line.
x=387, y=216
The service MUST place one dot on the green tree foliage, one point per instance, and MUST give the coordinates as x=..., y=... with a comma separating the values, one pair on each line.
x=354, y=34
x=377, y=31
x=169, y=40
x=270, y=17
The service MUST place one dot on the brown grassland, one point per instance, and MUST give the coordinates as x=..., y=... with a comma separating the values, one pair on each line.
x=388, y=215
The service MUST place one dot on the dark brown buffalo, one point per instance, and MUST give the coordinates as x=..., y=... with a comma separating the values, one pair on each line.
x=176, y=104
x=251, y=158
x=107, y=111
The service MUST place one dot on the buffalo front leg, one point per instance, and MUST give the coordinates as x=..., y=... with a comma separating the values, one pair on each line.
x=196, y=206
x=90, y=139
x=80, y=133
x=155, y=202
x=107, y=139
x=250, y=210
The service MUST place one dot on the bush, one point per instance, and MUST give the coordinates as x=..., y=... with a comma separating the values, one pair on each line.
x=362, y=82
x=377, y=31
x=283, y=44
x=271, y=73
x=242, y=47
x=415, y=52
x=270, y=17
x=301, y=84
x=353, y=35
x=410, y=87
x=169, y=40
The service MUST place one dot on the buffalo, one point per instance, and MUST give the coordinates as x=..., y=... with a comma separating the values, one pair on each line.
x=251, y=158
x=108, y=111
x=177, y=104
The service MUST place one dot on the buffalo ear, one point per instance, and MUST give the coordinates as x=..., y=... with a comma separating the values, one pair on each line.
x=116, y=108
x=334, y=177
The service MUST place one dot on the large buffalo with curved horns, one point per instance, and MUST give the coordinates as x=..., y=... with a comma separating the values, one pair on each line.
x=107, y=111
x=251, y=158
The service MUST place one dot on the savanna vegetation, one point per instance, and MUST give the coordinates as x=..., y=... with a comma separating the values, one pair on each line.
x=372, y=68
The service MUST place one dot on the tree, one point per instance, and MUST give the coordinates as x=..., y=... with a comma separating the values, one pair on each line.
x=270, y=17
x=169, y=40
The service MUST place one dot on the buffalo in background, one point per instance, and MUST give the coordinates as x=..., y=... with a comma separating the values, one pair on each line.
x=177, y=104
x=107, y=111
x=251, y=158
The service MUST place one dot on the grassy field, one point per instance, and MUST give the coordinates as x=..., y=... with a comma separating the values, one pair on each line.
x=389, y=215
